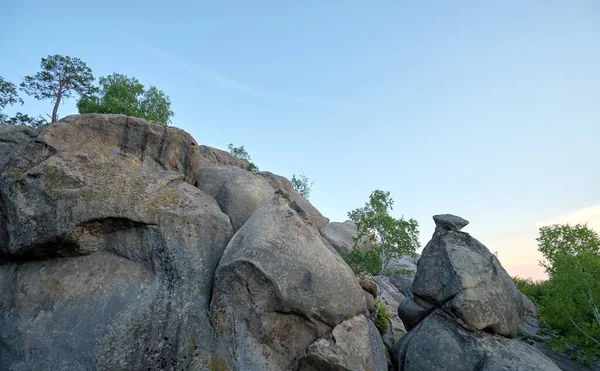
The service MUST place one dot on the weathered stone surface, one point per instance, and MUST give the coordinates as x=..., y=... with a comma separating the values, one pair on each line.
x=300, y=203
x=450, y=222
x=369, y=286
x=237, y=191
x=438, y=343
x=104, y=243
x=340, y=236
x=354, y=344
x=459, y=273
x=278, y=288
x=210, y=156
x=413, y=310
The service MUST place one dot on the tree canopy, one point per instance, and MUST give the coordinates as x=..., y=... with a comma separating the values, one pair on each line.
x=60, y=77
x=569, y=301
x=391, y=237
x=125, y=95
x=8, y=97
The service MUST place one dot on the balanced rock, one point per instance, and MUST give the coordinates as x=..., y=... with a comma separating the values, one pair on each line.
x=464, y=311
x=450, y=222
x=459, y=273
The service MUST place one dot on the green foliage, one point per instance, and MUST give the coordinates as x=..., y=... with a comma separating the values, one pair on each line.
x=60, y=77
x=120, y=94
x=569, y=303
x=382, y=321
x=240, y=152
x=390, y=237
x=363, y=263
x=8, y=94
x=21, y=119
x=534, y=290
x=302, y=185
x=8, y=97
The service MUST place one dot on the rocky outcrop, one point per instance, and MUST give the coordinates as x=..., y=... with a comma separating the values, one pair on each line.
x=354, y=344
x=109, y=253
x=464, y=309
x=439, y=343
x=278, y=288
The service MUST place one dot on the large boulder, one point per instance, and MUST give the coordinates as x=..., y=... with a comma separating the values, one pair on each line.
x=237, y=191
x=107, y=250
x=341, y=236
x=278, y=288
x=459, y=273
x=354, y=344
x=439, y=343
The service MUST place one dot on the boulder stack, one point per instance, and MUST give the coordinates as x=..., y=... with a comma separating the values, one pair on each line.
x=464, y=308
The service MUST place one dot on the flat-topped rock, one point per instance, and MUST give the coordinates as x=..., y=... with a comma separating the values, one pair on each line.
x=449, y=221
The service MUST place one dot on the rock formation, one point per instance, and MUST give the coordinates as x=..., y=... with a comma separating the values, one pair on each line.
x=109, y=254
x=464, y=309
x=125, y=245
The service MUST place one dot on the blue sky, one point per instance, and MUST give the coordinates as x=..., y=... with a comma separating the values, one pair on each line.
x=488, y=110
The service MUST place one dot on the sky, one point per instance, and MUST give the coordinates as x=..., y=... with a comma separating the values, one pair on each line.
x=487, y=110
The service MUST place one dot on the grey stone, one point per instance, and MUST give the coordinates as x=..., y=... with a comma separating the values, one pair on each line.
x=108, y=251
x=210, y=157
x=237, y=191
x=459, y=273
x=438, y=343
x=341, y=236
x=354, y=344
x=413, y=310
x=278, y=288
x=450, y=222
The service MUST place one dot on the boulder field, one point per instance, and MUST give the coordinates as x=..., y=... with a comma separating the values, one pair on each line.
x=125, y=245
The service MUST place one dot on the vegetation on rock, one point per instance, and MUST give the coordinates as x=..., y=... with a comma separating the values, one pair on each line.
x=120, y=94
x=390, y=237
x=240, y=152
x=60, y=77
x=302, y=184
x=8, y=97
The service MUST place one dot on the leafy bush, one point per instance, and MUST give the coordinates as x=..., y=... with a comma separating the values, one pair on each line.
x=240, y=152
x=363, y=263
x=569, y=301
x=382, y=321
x=302, y=185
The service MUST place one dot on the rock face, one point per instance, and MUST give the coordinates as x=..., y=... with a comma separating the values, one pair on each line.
x=464, y=309
x=108, y=254
x=237, y=191
x=278, y=288
x=340, y=236
x=354, y=344
x=456, y=348
x=105, y=240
